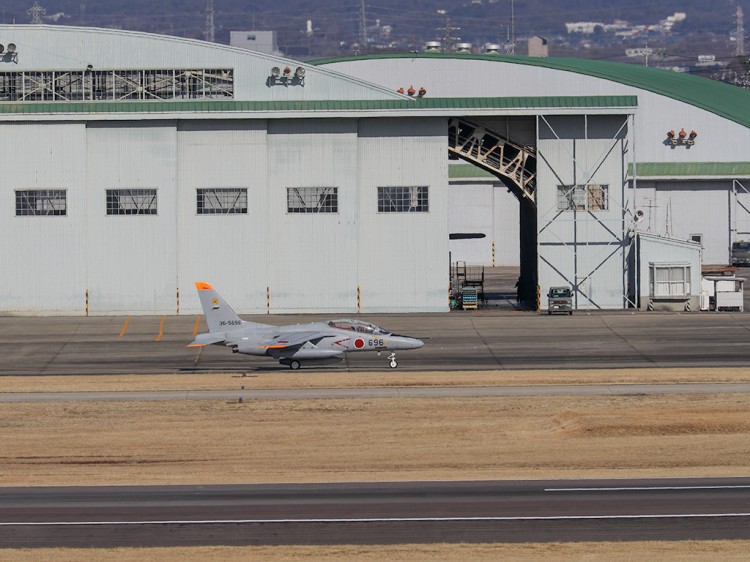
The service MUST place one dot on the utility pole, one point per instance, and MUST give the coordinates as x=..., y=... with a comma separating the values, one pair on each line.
x=209, y=33
x=362, y=25
x=647, y=53
x=739, y=34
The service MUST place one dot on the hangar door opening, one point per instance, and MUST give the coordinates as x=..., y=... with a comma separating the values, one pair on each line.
x=569, y=176
x=505, y=148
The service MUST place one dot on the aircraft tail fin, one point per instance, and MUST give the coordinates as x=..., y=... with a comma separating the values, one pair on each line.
x=219, y=315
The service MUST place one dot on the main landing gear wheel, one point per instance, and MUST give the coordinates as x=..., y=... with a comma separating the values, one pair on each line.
x=392, y=361
x=294, y=365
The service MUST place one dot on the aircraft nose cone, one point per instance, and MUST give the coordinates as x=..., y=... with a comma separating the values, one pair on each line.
x=411, y=343
x=404, y=342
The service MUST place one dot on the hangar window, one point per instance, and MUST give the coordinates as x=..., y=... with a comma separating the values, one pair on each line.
x=312, y=199
x=224, y=201
x=131, y=201
x=117, y=84
x=669, y=280
x=46, y=202
x=407, y=199
x=589, y=197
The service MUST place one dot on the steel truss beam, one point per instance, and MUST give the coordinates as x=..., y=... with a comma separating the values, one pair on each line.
x=495, y=153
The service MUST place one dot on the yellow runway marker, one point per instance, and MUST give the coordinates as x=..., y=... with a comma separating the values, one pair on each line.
x=161, y=328
x=124, y=327
x=197, y=325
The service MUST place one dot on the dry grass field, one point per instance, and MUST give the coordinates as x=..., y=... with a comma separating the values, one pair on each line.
x=202, y=442
x=686, y=551
x=343, y=379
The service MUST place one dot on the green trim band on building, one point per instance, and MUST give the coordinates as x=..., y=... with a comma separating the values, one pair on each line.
x=730, y=102
x=691, y=169
x=468, y=171
x=221, y=106
x=645, y=170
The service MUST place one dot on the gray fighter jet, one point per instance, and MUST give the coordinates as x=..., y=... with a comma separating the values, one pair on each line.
x=311, y=344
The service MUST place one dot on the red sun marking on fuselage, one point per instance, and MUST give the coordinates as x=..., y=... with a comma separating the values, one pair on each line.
x=359, y=343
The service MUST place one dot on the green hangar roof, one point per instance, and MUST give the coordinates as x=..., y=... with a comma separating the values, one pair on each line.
x=730, y=102
x=406, y=104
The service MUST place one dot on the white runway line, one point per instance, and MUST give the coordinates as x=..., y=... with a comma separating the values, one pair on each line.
x=377, y=520
x=648, y=488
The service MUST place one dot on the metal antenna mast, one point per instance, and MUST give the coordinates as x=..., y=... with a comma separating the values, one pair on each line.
x=209, y=33
x=36, y=12
x=739, y=34
x=512, y=28
x=362, y=25
x=448, y=38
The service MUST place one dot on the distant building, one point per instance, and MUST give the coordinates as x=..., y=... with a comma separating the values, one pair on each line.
x=622, y=28
x=668, y=24
x=258, y=41
x=585, y=27
x=538, y=46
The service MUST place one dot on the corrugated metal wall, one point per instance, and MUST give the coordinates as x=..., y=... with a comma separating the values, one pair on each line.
x=472, y=212
x=131, y=259
x=680, y=209
x=312, y=257
x=230, y=251
x=484, y=207
x=43, y=258
x=403, y=257
x=308, y=262
x=580, y=248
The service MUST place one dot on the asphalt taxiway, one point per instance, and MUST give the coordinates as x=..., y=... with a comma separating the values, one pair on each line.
x=453, y=341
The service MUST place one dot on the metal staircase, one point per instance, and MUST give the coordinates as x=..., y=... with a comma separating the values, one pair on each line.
x=498, y=155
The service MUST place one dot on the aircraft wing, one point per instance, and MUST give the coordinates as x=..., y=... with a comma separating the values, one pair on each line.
x=294, y=339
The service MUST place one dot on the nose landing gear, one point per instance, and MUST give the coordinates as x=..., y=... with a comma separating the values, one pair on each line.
x=392, y=363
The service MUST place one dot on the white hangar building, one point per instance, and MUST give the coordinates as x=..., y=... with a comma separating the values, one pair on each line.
x=135, y=165
x=685, y=162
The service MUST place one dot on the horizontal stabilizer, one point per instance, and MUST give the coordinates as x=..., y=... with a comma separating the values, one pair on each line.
x=208, y=339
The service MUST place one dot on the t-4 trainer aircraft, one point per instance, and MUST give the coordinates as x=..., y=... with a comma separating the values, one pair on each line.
x=313, y=343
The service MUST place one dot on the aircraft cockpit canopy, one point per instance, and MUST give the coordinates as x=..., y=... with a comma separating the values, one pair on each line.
x=359, y=326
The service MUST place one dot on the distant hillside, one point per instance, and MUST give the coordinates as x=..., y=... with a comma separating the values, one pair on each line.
x=335, y=23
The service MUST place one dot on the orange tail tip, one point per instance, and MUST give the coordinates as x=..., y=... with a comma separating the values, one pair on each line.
x=203, y=286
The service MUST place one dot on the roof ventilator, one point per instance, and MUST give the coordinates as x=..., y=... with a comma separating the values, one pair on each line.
x=285, y=77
